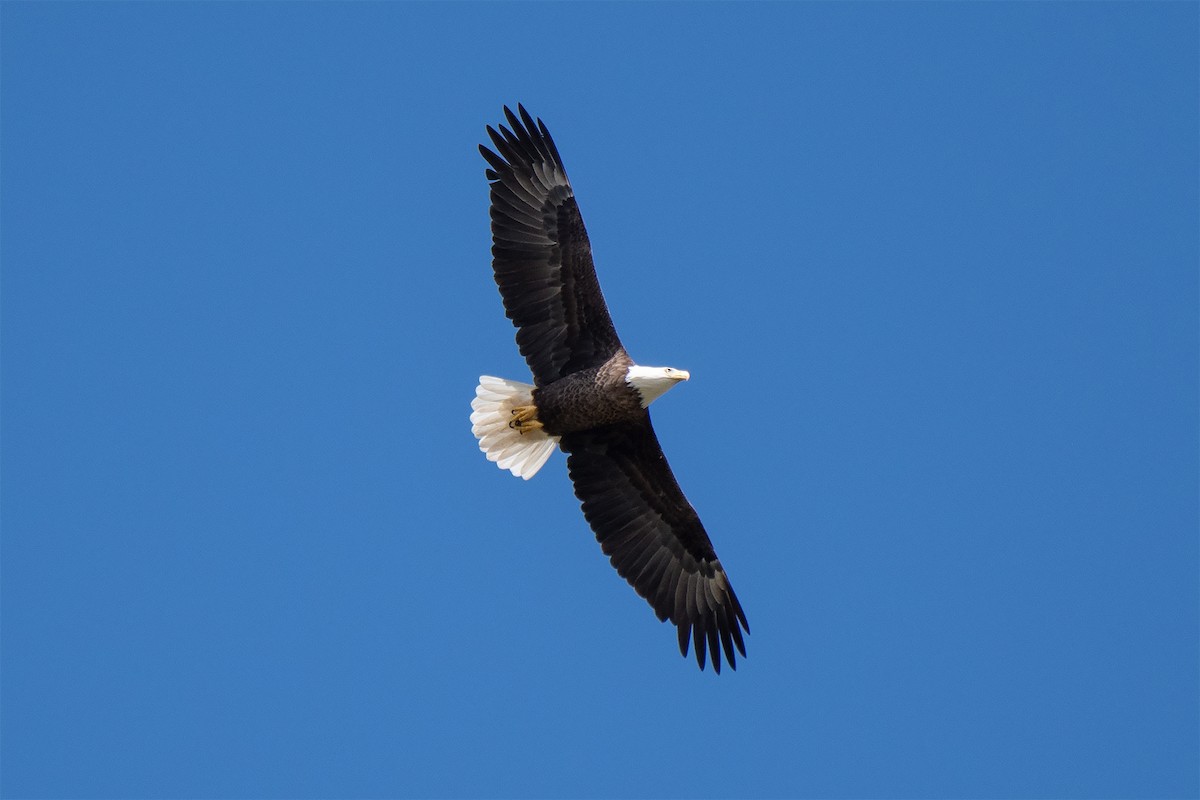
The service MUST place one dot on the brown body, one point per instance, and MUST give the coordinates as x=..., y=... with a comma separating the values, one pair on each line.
x=589, y=398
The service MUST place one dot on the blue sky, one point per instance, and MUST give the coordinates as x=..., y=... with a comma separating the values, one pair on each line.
x=933, y=268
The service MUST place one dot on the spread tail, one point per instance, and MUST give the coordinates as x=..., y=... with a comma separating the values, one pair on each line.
x=522, y=454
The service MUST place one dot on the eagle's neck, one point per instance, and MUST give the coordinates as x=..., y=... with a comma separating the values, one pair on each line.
x=651, y=383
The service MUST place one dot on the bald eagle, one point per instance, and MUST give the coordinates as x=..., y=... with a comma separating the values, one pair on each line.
x=589, y=398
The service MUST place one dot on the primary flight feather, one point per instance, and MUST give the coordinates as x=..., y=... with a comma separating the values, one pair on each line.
x=589, y=398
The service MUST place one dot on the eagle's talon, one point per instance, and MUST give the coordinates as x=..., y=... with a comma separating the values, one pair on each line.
x=525, y=427
x=523, y=414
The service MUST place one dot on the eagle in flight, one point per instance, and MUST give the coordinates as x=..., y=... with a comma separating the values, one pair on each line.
x=589, y=398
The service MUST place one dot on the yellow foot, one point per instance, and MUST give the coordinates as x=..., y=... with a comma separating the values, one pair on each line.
x=525, y=419
x=526, y=427
x=524, y=413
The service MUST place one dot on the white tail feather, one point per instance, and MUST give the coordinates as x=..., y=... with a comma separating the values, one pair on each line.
x=522, y=454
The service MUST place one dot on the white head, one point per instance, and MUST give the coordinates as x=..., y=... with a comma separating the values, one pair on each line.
x=653, y=382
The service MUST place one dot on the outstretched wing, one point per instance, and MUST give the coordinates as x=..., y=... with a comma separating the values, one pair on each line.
x=541, y=254
x=652, y=535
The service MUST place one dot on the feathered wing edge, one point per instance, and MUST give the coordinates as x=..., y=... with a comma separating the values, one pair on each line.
x=654, y=538
x=541, y=255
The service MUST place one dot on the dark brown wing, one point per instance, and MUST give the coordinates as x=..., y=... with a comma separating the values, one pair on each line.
x=653, y=536
x=541, y=255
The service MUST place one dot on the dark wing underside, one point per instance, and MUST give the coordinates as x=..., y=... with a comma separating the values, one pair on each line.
x=541, y=255
x=653, y=536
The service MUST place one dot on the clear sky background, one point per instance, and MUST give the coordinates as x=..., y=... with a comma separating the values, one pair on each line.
x=933, y=268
